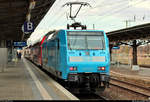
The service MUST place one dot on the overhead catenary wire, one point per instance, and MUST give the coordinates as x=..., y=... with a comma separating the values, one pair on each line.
x=115, y=12
x=97, y=6
x=112, y=8
x=78, y=17
x=102, y=5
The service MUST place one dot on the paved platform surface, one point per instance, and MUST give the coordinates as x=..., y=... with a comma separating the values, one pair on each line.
x=24, y=81
x=126, y=69
x=125, y=73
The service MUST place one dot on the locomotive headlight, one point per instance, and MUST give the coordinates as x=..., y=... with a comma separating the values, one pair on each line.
x=101, y=68
x=73, y=68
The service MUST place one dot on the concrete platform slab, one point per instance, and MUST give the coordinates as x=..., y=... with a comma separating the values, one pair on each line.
x=24, y=81
x=125, y=69
x=125, y=73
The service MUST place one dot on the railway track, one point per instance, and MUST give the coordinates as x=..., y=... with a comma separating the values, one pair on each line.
x=131, y=87
x=90, y=96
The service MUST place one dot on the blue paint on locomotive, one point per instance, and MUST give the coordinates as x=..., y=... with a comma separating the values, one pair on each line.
x=58, y=56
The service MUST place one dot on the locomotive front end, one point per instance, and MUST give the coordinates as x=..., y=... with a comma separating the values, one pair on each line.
x=88, y=59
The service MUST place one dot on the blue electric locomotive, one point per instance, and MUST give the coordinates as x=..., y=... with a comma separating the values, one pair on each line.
x=80, y=57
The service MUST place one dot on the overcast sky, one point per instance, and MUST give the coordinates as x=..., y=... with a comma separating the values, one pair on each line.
x=107, y=15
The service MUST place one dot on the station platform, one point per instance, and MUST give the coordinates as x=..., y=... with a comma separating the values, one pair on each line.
x=124, y=72
x=24, y=81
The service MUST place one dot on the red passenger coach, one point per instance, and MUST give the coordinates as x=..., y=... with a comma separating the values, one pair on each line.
x=36, y=52
x=40, y=58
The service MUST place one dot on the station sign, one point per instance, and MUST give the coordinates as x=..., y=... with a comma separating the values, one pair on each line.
x=20, y=44
x=116, y=47
x=28, y=27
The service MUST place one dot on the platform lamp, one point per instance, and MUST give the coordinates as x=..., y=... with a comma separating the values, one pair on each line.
x=28, y=17
x=32, y=4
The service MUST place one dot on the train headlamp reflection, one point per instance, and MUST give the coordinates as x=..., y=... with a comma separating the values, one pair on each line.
x=73, y=68
x=101, y=68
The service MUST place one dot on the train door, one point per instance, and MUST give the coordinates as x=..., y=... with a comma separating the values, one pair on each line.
x=57, y=54
x=44, y=55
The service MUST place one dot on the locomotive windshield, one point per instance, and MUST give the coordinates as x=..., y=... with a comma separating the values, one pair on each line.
x=86, y=40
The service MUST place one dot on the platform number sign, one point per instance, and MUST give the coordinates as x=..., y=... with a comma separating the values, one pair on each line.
x=28, y=27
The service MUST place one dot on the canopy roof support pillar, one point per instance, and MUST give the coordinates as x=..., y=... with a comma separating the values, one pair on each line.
x=134, y=46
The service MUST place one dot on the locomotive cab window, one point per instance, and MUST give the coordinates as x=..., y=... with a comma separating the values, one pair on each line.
x=86, y=40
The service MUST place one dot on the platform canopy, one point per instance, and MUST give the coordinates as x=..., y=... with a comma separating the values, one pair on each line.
x=13, y=14
x=131, y=33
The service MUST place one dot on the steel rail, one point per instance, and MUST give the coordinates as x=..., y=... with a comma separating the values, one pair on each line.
x=131, y=87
